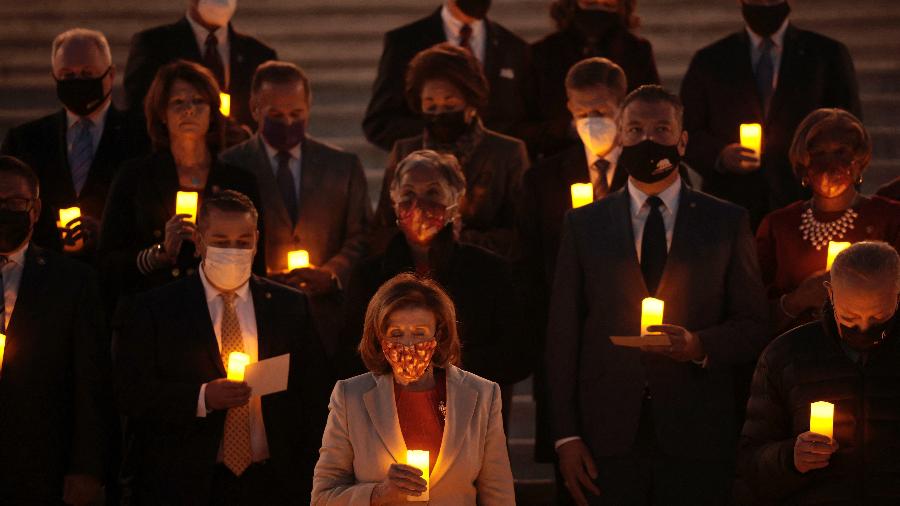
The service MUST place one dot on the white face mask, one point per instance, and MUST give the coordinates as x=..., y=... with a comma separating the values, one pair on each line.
x=597, y=133
x=227, y=268
x=217, y=12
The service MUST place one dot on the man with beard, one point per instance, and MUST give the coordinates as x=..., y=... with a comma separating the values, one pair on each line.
x=851, y=358
x=56, y=422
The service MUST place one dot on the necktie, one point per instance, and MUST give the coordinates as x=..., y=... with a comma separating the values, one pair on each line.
x=286, y=184
x=3, y=261
x=765, y=72
x=601, y=187
x=236, y=441
x=213, y=61
x=82, y=154
x=465, y=37
x=653, y=246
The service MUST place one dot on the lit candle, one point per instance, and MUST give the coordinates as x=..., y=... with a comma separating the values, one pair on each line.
x=419, y=460
x=651, y=313
x=2, y=349
x=225, y=104
x=237, y=362
x=298, y=259
x=834, y=248
x=67, y=215
x=186, y=203
x=821, y=418
x=751, y=137
x=582, y=194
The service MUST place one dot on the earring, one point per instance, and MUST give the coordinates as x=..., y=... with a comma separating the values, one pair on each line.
x=804, y=182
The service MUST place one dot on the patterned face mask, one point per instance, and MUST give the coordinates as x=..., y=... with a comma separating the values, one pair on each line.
x=408, y=361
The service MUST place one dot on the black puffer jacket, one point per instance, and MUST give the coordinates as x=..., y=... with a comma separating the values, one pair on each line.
x=809, y=364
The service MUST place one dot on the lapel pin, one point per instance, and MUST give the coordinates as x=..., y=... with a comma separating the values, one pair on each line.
x=268, y=295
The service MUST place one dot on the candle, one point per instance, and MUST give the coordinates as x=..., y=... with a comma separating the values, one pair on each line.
x=186, y=203
x=298, y=259
x=419, y=460
x=67, y=215
x=834, y=248
x=751, y=137
x=821, y=418
x=237, y=362
x=582, y=194
x=651, y=313
x=225, y=104
x=2, y=349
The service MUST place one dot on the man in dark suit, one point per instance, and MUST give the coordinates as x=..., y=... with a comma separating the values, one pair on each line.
x=204, y=35
x=771, y=73
x=55, y=425
x=77, y=151
x=503, y=55
x=195, y=437
x=653, y=425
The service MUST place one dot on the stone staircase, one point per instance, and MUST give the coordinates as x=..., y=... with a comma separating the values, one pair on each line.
x=338, y=42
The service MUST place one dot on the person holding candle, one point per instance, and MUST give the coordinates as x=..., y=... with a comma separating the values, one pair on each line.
x=145, y=243
x=830, y=154
x=414, y=397
x=772, y=73
x=426, y=192
x=58, y=429
x=848, y=359
x=654, y=425
x=446, y=86
x=195, y=436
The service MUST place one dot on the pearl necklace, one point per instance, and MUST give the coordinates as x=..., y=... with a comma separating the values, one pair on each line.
x=819, y=234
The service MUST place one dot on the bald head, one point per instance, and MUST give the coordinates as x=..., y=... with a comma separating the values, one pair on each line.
x=865, y=284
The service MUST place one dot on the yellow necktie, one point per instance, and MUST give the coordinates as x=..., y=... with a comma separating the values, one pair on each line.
x=236, y=442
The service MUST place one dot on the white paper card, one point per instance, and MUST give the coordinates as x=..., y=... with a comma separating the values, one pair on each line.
x=268, y=376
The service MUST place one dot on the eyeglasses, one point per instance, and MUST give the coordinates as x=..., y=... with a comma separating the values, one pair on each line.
x=16, y=204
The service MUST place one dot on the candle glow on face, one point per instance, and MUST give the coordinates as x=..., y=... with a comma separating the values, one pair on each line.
x=298, y=259
x=420, y=460
x=834, y=249
x=582, y=194
x=186, y=203
x=751, y=137
x=225, y=104
x=821, y=418
x=237, y=362
x=651, y=313
x=67, y=215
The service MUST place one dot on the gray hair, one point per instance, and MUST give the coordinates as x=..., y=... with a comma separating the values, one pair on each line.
x=867, y=264
x=447, y=165
x=83, y=35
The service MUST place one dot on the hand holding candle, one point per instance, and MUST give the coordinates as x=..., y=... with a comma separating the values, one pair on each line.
x=237, y=362
x=186, y=203
x=582, y=194
x=834, y=249
x=420, y=460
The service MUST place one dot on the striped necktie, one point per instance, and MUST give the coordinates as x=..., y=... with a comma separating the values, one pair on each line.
x=237, y=453
x=82, y=154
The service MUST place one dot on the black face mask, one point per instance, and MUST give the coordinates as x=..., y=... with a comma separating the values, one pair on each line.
x=14, y=229
x=649, y=161
x=445, y=127
x=82, y=96
x=866, y=341
x=595, y=23
x=283, y=136
x=765, y=20
x=477, y=9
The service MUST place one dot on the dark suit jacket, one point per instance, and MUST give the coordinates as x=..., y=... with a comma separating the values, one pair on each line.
x=711, y=286
x=891, y=189
x=54, y=386
x=507, y=67
x=42, y=145
x=719, y=93
x=155, y=47
x=555, y=54
x=335, y=210
x=169, y=350
x=141, y=201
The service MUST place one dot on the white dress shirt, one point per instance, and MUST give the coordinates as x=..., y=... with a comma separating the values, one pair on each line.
x=223, y=44
x=612, y=157
x=293, y=164
x=776, y=51
x=243, y=305
x=98, y=121
x=12, y=278
x=640, y=210
x=452, y=26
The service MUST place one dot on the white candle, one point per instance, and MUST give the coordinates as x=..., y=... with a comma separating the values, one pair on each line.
x=821, y=418
x=651, y=313
x=420, y=460
x=237, y=362
x=186, y=203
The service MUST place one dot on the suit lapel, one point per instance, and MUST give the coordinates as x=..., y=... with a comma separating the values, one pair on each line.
x=461, y=400
x=64, y=176
x=268, y=185
x=264, y=316
x=574, y=167
x=623, y=232
x=32, y=285
x=199, y=310
x=236, y=57
x=109, y=138
x=311, y=173
x=185, y=39
x=683, y=241
x=382, y=409
x=491, y=49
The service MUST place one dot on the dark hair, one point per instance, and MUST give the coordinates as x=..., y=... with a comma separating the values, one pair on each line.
x=228, y=201
x=157, y=102
x=405, y=291
x=563, y=11
x=654, y=94
x=854, y=135
x=597, y=71
x=12, y=166
x=279, y=72
x=450, y=63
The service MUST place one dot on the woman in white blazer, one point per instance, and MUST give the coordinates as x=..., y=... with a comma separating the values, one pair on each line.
x=413, y=398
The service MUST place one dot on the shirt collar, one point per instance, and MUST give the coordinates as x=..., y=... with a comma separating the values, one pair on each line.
x=200, y=33
x=454, y=25
x=98, y=117
x=612, y=157
x=18, y=257
x=777, y=37
x=294, y=152
x=243, y=292
x=669, y=196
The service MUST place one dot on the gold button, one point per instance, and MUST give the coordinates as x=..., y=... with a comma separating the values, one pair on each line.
x=176, y=272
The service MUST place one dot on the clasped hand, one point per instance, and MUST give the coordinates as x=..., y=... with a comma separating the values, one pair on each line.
x=685, y=345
